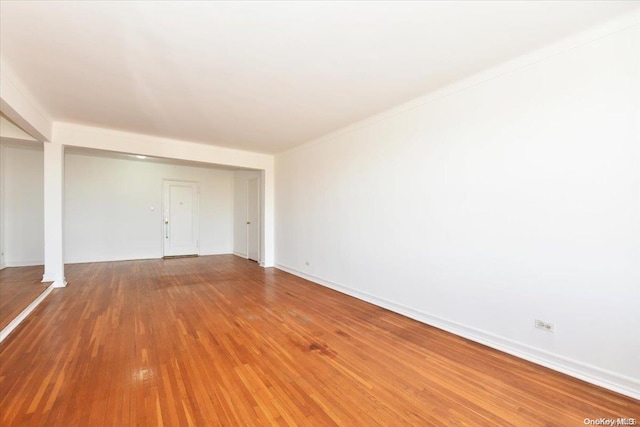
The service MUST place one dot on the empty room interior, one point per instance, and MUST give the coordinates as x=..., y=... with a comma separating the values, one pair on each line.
x=319, y=213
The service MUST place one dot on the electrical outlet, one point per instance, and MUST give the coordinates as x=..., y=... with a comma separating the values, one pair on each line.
x=545, y=326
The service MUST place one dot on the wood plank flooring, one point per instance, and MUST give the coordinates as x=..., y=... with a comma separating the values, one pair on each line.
x=19, y=286
x=220, y=341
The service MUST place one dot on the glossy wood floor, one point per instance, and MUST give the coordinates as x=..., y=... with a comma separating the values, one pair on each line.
x=19, y=286
x=219, y=341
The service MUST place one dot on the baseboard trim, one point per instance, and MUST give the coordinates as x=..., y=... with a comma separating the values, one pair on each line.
x=24, y=313
x=138, y=258
x=28, y=263
x=241, y=255
x=180, y=256
x=60, y=283
x=214, y=253
x=110, y=259
x=591, y=374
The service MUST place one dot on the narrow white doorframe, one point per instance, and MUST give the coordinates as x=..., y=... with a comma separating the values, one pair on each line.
x=180, y=217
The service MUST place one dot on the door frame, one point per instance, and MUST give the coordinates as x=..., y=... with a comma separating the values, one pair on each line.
x=196, y=208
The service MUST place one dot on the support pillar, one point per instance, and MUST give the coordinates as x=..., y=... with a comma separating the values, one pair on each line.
x=54, y=214
x=268, y=225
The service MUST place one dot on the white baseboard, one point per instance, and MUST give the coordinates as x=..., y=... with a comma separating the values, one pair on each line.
x=214, y=253
x=129, y=258
x=591, y=374
x=60, y=283
x=24, y=263
x=109, y=259
x=24, y=313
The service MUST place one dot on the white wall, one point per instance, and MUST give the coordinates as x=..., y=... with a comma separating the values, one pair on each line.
x=109, y=201
x=19, y=105
x=11, y=135
x=240, y=186
x=504, y=201
x=3, y=214
x=71, y=135
x=22, y=207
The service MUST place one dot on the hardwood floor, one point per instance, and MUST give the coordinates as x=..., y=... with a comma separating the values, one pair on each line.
x=19, y=286
x=220, y=341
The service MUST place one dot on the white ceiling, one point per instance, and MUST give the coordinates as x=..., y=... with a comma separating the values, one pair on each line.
x=264, y=76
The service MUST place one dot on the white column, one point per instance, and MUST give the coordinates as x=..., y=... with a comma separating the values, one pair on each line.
x=268, y=227
x=53, y=214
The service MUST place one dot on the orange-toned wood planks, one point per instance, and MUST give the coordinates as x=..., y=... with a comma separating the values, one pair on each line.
x=220, y=341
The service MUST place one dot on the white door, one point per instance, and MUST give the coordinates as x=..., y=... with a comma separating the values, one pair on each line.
x=180, y=220
x=253, y=219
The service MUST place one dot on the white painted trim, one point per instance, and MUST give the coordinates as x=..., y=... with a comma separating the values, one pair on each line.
x=12, y=133
x=214, y=253
x=621, y=23
x=241, y=255
x=258, y=180
x=60, y=283
x=591, y=374
x=54, y=211
x=109, y=259
x=23, y=315
x=25, y=263
x=81, y=136
x=117, y=259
